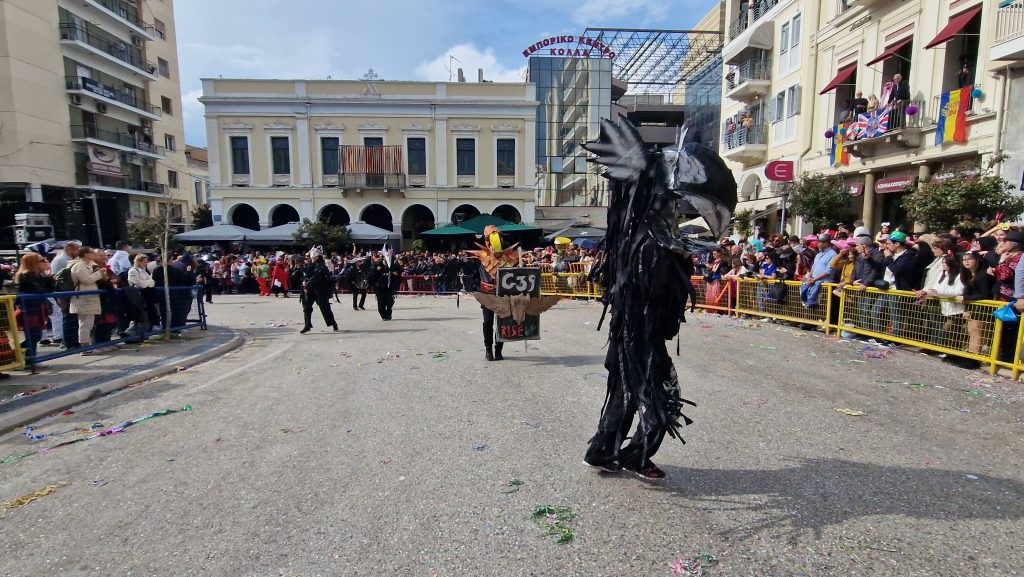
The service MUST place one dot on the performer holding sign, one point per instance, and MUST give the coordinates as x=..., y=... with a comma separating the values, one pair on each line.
x=645, y=273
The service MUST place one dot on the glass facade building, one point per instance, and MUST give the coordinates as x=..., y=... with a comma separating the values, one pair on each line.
x=574, y=95
x=703, y=101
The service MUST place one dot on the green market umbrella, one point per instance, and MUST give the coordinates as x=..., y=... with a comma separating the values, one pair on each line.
x=479, y=223
x=448, y=231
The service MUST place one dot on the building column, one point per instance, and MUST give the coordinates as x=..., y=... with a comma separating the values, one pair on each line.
x=441, y=152
x=306, y=209
x=529, y=212
x=924, y=172
x=442, y=213
x=213, y=140
x=217, y=209
x=868, y=213
x=305, y=166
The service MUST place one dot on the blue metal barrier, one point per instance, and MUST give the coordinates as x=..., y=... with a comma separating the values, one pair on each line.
x=40, y=313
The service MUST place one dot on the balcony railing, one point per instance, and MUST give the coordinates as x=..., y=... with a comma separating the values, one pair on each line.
x=111, y=45
x=736, y=135
x=126, y=12
x=754, y=69
x=381, y=181
x=972, y=105
x=133, y=97
x=124, y=182
x=1009, y=22
x=119, y=138
x=752, y=14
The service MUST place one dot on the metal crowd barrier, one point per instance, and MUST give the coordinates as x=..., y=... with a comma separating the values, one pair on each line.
x=892, y=315
x=45, y=318
x=12, y=356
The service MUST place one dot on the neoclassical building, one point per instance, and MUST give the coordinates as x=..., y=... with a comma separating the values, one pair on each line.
x=405, y=156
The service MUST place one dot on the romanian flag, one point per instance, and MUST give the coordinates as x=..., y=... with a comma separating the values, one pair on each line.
x=838, y=154
x=953, y=116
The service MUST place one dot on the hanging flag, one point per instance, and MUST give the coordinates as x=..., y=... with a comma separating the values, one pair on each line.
x=874, y=123
x=839, y=155
x=952, y=122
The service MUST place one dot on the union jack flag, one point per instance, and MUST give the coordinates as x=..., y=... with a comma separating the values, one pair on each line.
x=874, y=123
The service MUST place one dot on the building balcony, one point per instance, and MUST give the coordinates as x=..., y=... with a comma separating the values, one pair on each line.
x=128, y=98
x=122, y=141
x=120, y=184
x=749, y=81
x=1008, y=43
x=751, y=31
x=91, y=41
x=747, y=145
x=901, y=132
x=360, y=182
x=124, y=14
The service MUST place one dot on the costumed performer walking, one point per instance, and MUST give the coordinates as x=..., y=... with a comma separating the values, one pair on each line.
x=317, y=288
x=492, y=256
x=645, y=272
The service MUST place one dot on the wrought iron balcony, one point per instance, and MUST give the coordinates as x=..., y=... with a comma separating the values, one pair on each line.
x=83, y=131
x=750, y=16
x=123, y=182
x=111, y=45
x=749, y=80
x=378, y=167
x=746, y=144
x=125, y=12
x=128, y=95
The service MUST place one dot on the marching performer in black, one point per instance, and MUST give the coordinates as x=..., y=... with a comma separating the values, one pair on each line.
x=317, y=288
x=356, y=277
x=386, y=279
x=491, y=257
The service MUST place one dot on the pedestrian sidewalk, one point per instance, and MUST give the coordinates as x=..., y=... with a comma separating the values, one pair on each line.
x=69, y=380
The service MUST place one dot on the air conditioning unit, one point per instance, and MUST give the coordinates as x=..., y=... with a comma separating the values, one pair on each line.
x=138, y=41
x=101, y=107
x=76, y=99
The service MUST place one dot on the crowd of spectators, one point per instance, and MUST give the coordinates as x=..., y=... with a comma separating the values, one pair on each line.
x=944, y=271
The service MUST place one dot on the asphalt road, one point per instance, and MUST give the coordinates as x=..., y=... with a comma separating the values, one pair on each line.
x=388, y=448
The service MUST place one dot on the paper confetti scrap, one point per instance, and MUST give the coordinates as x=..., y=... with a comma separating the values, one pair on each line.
x=851, y=412
x=26, y=499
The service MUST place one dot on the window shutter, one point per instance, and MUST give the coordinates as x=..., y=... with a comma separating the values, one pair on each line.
x=771, y=109
x=796, y=99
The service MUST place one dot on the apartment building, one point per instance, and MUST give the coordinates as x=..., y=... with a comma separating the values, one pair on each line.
x=766, y=109
x=198, y=173
x=90, y=107
x=942, y=50
x=404, y=156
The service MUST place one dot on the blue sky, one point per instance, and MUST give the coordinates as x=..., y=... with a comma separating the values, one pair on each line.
x=398, y=39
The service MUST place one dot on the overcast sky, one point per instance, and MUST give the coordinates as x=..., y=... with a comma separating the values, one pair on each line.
x=398, y=39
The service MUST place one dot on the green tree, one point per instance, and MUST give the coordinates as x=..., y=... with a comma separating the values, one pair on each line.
x=821, y=199
x=330, y=236
x=743, y=222
x=202, y=216
x=966, y=197
x=148, y=231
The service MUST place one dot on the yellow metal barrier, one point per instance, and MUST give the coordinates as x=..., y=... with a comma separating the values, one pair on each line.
x=12, y=356
x=752, y=298
x=566, y=284
x=898, y=316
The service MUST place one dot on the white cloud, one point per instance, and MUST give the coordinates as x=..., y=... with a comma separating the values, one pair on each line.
x=470, y=58
x=191, y=108
x=597, y=12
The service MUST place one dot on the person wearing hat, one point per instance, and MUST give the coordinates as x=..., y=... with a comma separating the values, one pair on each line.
x=898, y=274
x=821, y=271
x=1009, y=249
x=883, y=234
x=317, y=288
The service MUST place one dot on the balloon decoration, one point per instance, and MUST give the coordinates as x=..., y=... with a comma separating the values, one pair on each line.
x=977, y=93
x=829, y=133
x=842, y=131
x=912, y=110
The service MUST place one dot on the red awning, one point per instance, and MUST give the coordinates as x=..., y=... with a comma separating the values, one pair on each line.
x=842, y=77
x=890, y=51
x=956, y=24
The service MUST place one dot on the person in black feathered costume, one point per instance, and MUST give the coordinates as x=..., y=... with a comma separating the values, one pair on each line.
x=317, y=289
x=645, y=272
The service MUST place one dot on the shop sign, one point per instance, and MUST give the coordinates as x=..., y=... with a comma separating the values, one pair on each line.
x=780, y=171
x=855, y=188
x=97, y=88
x=896, y=184
x=104, y=161
x=585, y=47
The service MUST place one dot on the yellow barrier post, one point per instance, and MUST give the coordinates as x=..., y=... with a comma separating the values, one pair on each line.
x=12, y=356
x=997, y=339
x=1016, y=352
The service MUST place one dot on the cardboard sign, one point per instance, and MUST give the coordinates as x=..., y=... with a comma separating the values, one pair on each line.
x=518, y=281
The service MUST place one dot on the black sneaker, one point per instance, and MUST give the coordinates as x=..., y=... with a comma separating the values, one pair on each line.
x=610, y=467
x=650, y=472
x=305, y=330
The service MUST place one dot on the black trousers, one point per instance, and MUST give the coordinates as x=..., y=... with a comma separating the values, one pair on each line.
x=70, y=323
x=385, y=303
x=321, y=300
x=489, y=328
x=358, y=298
x=615, y=424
